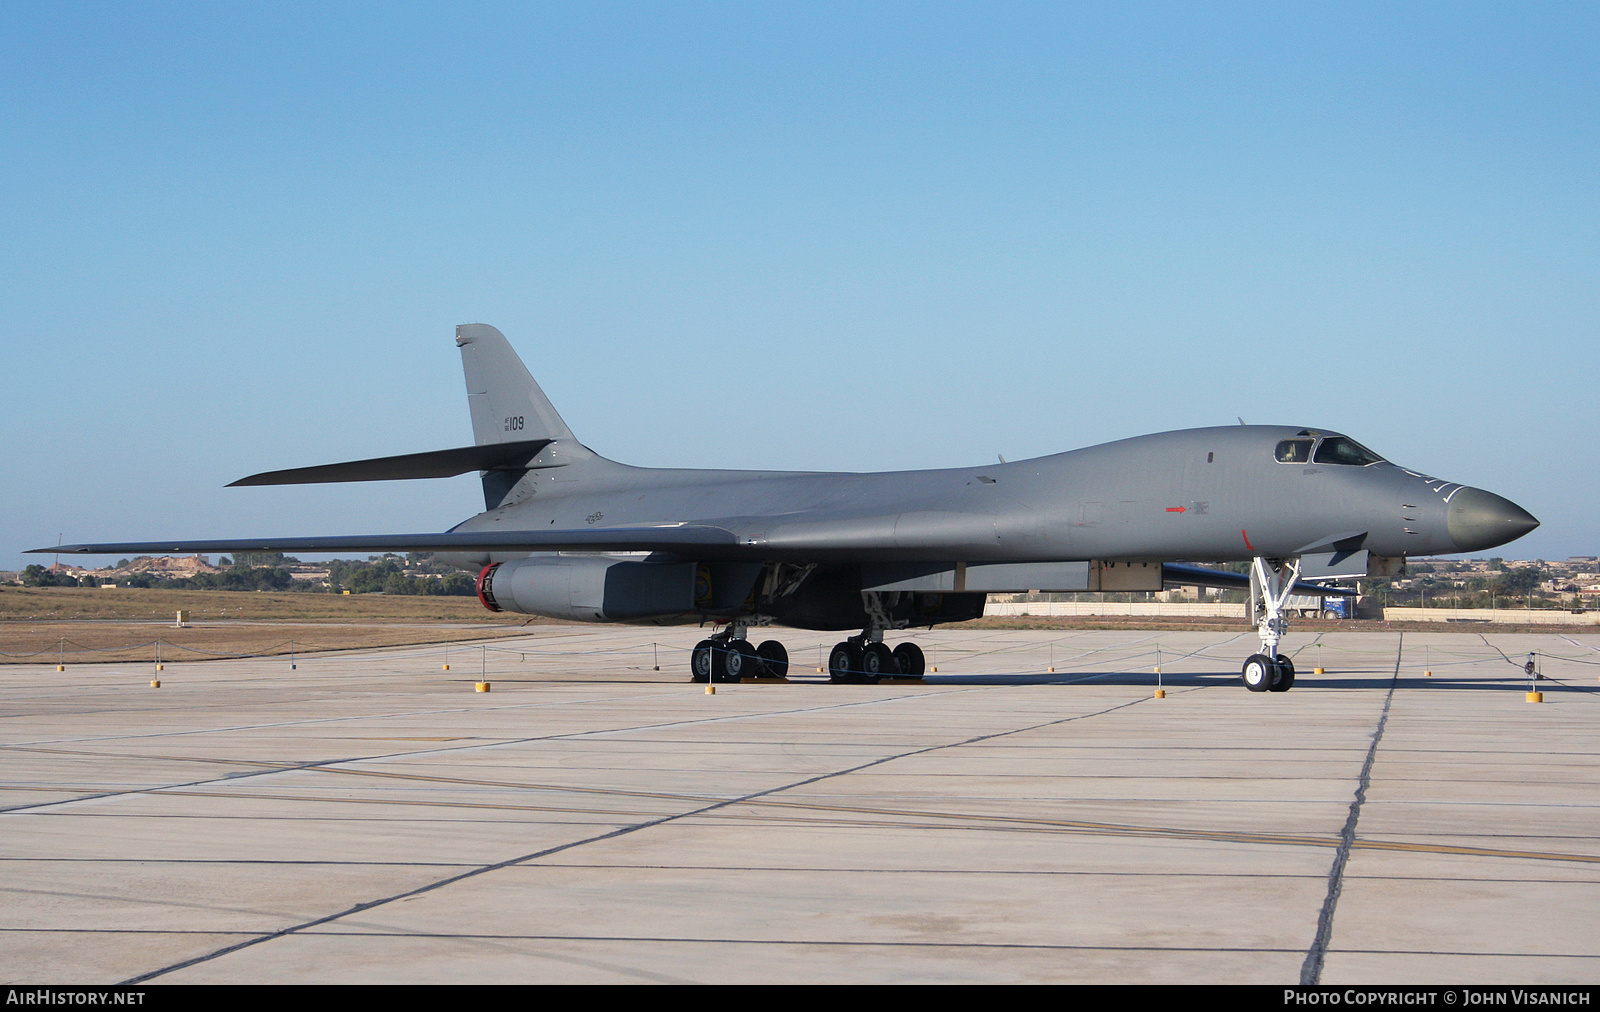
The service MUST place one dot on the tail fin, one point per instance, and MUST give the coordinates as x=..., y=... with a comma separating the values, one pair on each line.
x=508, y=406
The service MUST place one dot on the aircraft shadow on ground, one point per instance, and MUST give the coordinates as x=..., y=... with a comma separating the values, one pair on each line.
x=1189, y=680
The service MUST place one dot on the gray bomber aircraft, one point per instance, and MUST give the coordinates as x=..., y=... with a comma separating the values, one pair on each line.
x=568, y=534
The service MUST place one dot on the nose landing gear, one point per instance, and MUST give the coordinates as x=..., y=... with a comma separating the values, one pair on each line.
x=1272, y=582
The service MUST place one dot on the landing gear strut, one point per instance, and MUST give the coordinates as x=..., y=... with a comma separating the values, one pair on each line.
x=867, y=659
x=1271, y=583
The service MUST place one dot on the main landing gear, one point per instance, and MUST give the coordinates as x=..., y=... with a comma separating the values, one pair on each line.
x=863, y=659
x=866, y=659
x=1271, y=583
x=730, y=657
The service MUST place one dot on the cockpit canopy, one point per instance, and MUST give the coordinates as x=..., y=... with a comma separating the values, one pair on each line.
x=1328, y=450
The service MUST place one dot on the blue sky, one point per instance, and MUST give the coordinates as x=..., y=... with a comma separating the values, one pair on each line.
x=813, y=236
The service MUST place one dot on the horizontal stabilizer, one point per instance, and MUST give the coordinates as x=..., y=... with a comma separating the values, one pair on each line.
x=1178, y=574
x=432, y=464
x=605, y=539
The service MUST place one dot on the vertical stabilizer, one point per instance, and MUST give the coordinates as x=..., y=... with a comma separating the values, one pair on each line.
x=508, y=406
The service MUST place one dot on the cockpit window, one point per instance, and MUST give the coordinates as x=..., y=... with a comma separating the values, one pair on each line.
x=1293, y=451
x=1343, y=450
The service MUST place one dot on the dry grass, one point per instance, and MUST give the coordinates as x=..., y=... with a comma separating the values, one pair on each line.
x=123, y=605
x=103, y=642
x=94, y=625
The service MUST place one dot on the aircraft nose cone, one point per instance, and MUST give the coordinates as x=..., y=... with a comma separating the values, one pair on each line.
x=1478, y=520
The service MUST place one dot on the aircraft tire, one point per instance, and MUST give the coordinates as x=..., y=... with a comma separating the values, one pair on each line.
x=877, y=663
x=1285, y=674
x=844, y=663
x=912, y=663
x=700, y=661
x=774, y=659
x=735, y=659
x=1258, y=672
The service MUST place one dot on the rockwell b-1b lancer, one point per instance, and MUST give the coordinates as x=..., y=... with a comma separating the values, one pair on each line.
x=568, y=534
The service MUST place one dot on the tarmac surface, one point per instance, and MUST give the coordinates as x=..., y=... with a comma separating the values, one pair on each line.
x=369, y=817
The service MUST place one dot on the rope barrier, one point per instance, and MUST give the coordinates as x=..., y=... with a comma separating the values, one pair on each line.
x=1125, y=663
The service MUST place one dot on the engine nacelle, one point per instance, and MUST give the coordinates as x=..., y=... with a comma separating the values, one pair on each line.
x=589, y=588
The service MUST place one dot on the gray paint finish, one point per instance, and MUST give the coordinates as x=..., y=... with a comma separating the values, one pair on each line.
x=1198, y=495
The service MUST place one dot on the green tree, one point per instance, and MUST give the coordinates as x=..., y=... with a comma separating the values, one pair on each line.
x=38, y=576
x=1518, y=582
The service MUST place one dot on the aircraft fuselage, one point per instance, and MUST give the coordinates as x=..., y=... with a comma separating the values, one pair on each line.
x=1207, y=495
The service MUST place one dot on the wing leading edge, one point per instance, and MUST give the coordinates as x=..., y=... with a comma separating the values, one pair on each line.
x=613, y=539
